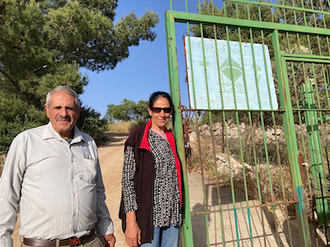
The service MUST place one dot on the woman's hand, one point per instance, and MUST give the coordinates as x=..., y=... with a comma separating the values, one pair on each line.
x=133, y=231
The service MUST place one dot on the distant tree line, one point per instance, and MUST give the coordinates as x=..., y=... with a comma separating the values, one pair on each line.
x=128, y=110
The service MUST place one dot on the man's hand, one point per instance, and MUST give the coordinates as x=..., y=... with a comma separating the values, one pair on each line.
x=110, y=240
x=133, y=231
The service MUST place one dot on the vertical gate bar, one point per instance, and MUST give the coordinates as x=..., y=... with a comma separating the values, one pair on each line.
x=250, y=30
x=285, y=103
x=304, y=76
x=262, y=125
x=209, y=113
x=236, y=114
x=294, y=82
x=273, y=117
x=326, y=85
x=175, y=92
x=327, y=40
x=318, y=97
x=294, y=13
x=298, y=104
x=220, y=86
x=201, y=161
x=303, y=6
x=249, y=113
x=198, y=137
x=231, y=183
x=191, y=72
x=202, y=169
x=205, y=69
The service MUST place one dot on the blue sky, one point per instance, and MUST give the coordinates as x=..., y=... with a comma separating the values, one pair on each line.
x=145, y=70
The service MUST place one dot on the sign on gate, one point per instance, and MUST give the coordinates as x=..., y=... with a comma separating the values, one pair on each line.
x=240, y=79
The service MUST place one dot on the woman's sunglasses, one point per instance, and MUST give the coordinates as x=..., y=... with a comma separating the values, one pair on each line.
x=159, y=109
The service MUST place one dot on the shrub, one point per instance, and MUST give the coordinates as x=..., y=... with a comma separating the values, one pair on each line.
x=90, y=122
x=13, y=129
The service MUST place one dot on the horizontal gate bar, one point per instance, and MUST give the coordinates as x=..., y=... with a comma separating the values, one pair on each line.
x=242, y=23
x=280, y=6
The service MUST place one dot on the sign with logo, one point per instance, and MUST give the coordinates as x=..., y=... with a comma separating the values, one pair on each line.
x=238, y=80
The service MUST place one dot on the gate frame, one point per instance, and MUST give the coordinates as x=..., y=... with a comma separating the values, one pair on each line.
x=285, y=103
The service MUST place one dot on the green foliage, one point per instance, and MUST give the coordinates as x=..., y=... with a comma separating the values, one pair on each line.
x=141, y=110
x=108, y=115
x=124, y=111
x=89, y=122
x=128, y=110
x=44, y=43
x=13, y=129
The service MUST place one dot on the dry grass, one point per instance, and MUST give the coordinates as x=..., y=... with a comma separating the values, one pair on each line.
x=120, y=127
x=128, y=126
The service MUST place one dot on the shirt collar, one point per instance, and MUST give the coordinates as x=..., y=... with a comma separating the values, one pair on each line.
x=49, y=133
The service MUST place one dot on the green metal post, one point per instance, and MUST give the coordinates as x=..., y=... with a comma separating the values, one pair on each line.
x=315, y=150
x=285, y=103
x=187, y=236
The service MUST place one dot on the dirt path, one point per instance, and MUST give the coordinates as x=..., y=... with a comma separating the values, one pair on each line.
x=111, y=160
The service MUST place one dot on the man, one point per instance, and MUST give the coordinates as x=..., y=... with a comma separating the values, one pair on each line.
x=53, y=172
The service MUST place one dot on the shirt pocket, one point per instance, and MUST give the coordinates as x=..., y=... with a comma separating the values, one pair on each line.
x=90, y=171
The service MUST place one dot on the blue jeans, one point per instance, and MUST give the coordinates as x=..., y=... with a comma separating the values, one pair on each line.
x=165, y=237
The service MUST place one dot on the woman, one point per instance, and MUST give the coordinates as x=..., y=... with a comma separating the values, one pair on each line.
x=151, y=187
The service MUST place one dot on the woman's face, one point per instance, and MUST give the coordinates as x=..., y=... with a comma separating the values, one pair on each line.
x=160, y=113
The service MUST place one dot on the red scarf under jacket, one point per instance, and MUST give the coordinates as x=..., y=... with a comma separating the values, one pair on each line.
x=145, y=144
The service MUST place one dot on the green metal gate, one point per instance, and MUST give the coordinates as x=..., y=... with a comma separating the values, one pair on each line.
x=256, y=166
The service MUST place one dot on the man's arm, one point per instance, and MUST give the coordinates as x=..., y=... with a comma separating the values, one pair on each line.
x=104, y=222
x=110, y=240
x=10, y=190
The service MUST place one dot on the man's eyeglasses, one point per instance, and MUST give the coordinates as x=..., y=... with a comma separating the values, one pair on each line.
x=159, y=109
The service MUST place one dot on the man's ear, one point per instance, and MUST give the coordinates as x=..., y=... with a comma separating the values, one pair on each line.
x=46, y=108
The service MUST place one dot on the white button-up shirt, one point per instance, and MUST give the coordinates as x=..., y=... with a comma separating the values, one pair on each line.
x=58, y=185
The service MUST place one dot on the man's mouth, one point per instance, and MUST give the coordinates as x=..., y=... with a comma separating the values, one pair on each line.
x=60, y=118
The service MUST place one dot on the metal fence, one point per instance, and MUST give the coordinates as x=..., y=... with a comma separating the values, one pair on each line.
x=255, y=77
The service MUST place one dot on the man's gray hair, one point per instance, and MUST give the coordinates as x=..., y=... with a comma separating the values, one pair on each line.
x=63, y=88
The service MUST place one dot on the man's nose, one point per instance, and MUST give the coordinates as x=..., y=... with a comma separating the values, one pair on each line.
x=63, y=112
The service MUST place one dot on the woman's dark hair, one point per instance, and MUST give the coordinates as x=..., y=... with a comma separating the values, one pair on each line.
x=158, y=94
